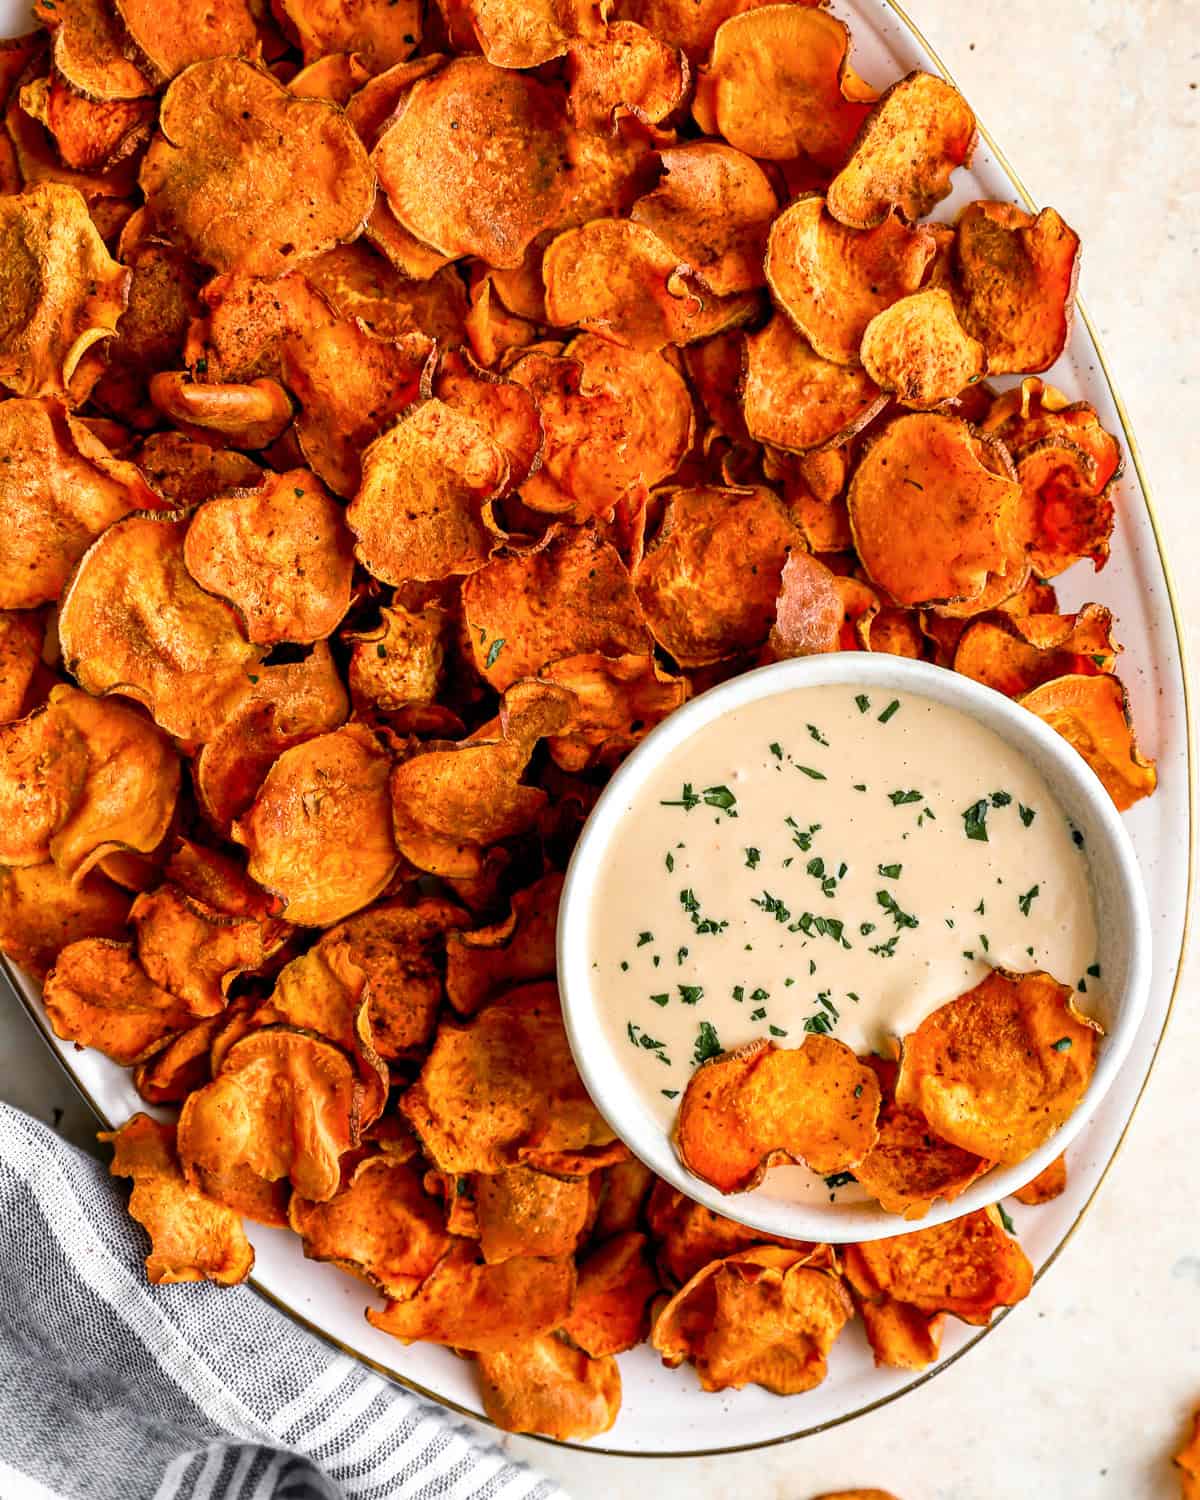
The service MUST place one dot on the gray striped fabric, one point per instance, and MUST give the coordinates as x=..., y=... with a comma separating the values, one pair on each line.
x=111, y=1390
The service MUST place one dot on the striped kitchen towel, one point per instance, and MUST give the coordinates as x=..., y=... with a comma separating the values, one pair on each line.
x=111, y=1390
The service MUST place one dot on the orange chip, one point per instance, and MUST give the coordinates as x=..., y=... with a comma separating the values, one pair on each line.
x=400, y=247
x=281, y=555
x=618, y=700
x=911, y=142
x=968, y=1268
x=492, y=331
x=439, y=470
x=933, y=507
x=381, y=1226
x=514, y=950
x=779, y=85
x=1049, y=1183
x=612, y=1304
x=399, y=663
x=21, y=669
x=134, y=621
x=570, y=596
x=520, y=35
x=319, y=830
x=502, y=1090
x=193, y=951
x=505, y=409
x=1094, y=715
x=292, y=182
x=33, y=154
x=808, y=610
x=164, y=41
x=691, y=24
x=746, y=1110
x=1017, y=276
x=712, y=207
x=474, y=161
x=714, y=368
x=90, y=135
x=902, y=1337
x=623, y=1192
x=249, y=319
x=245, y=416
x=61, y=292
x=998, y=1070
x=918, y=350
x=1015, y=654
x=896, y=632
x=766, y=1316
x=624, y=66
x=522, y=1212
x=380, y=32
x=98, y=995
x=191, y=1238
x=42, y=912
x=216, y=880
x=794, y=399
x=709, y=581
x=186, y=472
x=43, y=769
x=361, y=286
x=336, y=77
x=283, y=1104
x=831, y=281
x=469, y=1305
x=544, y=1386
x=690, y=1236
x=89, y=49
x=183, y=1065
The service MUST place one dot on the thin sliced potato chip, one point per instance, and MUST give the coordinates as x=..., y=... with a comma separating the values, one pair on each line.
x=617, y=1283
x=90, y=49
x=181, y=1067
x=244, y=416
x=901, y=1336
x=1049, y=1183
x=166, y=44
x=1093, y=714
x=380, y=33
x=336, y=77
x=363, y=287
x=98, y=995
x=523, y=1212
x=618, y=700
x=543, y=1385
x=692, y=24
x=90, y=136
x=623, y=1192
x=43, y=771
x=918, y=350
x=192, y=950
x=809, y=610
x=690, y=1236
x=504, y=408
x=186, y=472
x=624, y=66
x=794, y=399
x=42, y=912
x=22, y=633
x=522, y=33
x=399, y=663
x=1015, y=654
x=515, y=950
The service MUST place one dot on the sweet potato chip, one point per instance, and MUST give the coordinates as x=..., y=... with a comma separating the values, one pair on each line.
x=505, y=409
x=1049, y=1183
x=180, y=1067
x=43, y=769
x=918, y=350
x=400, y=662
x=521, y=35
x=381, y=1226
x=778, y=85
x=690, y=1236
x=192, y=950
x=380, y=32
x=284, y=1104
x=1017, y=276
x=186, y=472
x=1015, y=654
x=502, y=1091
x=968, y=1268
x=997, y=1070
x=337, y=77
x=796, y=400
x=571, y=596
x=933, y=507
x=1093, y=714
x=164, y=42
x=746, y=1110
x=624, y=66
x=474, y=162
x=902, y=1337
x=709, y=581
x=911, y=142
x=515, y=950
x=60, y=293
x=714, y=369
x=612, y=1303
x=245, y=416
x=89, y=49
x=90, y=135
x=623, y=1191
x=22, y=633
x=435, y=473
x=522, y=1212
x=42, y=912
x=292, y=183
x=543, y=1385
x=31, y=151
x=191, y=1237
x=618, y=700
x=831, y=281
x=809, y=610
x=281, y=555
x=216, y=880
x=766, y=1316
x=319, y=831
x=98, y=995
x=691, y=24
x=134, y=621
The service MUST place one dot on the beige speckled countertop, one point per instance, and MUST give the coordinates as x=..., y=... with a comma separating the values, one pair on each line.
x=1084, y=1393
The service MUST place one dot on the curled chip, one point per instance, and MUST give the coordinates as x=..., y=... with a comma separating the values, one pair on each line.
x=61, y=291
x=164, y=41
x=336, y=77
x=42, y=912
x=191, y=1237
x=244, y=416
x=89, y=49
x=98, y=995
x=515, y=950
x=690, y=1236
x=281, y=554
x=401, y=662
x=809, y=610
x=623, y=1190
x=423, y=508
x=779, y=85
x=568, y=597
x=293, y=178
x=1094, y=715
x=194, y=951
x=381, y=1226
x=43, y=768
x=543, y=1385
x=766, y=1316
x=283, y=1104
x=1049, y=1183
x=474, y=162
x=709, y=581
x=380, y=33
x=712, y=208
x=180, y=1067
x=999, y=1069
x=933, y=507
x=746, y=1110
x=794, y=399
x=521, y=35
x=618, y=699
x=90, y=135
x=470, y=1305
x=902, y=1337
x=612, y=1303
x=1015, y=654
x=22, y=671
x=502, y=1091
x=362, y=287
x=967, y=1267
x=1016, y=276
x=319, y=830
x=911, y=142
x=523, y=1212
x=618, y=279
x=186, y=472
x=504, y=408
x=831, y=281
x=134, y=621
x=918, y=350
x=624, y=66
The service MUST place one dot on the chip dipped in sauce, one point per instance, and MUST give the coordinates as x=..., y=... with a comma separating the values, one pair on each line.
x=832, y=860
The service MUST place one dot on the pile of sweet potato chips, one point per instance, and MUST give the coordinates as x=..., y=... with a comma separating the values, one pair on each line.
x=406, y=407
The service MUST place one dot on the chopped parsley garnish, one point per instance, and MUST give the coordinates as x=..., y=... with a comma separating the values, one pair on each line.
x=820, y=1024
x=644, y=938
x=691, y=994
x=967, y=953
x=866, y=929
x=1004, y=1219
x=722, y=797
x=777, y=1031
x=1026, y=901
x=808, y=923
x=975, y=821
x=842, y=1179
x=660, y=999
x=802, y=837
x=863, y=702
x=888, y=949
x=983, y=942
x=823, y=999
x=739, y=992
x=702, y=924
x=680, y=955
x=860, y=786
x=777, y=750
x=708, y=1043
x=687, y=798
x=752, y=858
x=773, y=905
x=640, y=1038
x=1081, y=986
x=892, y=709
x=494, y=651
x=926, y=812
x=898, y=915
x=759, y=1014
x=760, y=994
x=808, y=771
x=979, y=912
x=890, y=872
x=1001, y=799
x=816, y=734
x=670, y=862
x=1062, y=1045
x=1094, y=970
x=1027, y=814
x=625, y=966
x=670, y=1093
x=900, y=798
x=816, y=868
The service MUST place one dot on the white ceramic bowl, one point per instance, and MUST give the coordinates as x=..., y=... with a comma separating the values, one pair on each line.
x=1122, y=919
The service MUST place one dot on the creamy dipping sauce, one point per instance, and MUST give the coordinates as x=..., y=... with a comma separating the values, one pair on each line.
x=827, y=860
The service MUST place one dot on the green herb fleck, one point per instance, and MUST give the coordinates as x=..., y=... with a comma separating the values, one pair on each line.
x=892, y=709
x=820, y=1024
x=691, y=994
x=708, y=1044
x=983, y=942
x=1027, y=814
x=842, y=1179
x=752, y=858
x=1005, y=1220
x=863, y=702
x=670, y=1093
x=687, y=798
x=1026, y=901
x=1062, y=1045
x=900, y=917
x=979, y=911
x=888, y=949
x=680, y=955
x=890, y=872
x=975, y=821
x=494, y=651
x=808, y=771
x=900, y=798
x=644, y=938
x=660, y=999
x=1001, y=799
x=860, y=786
x=759, y=1014
x=777, y=751
x=772, y=905
x=777, y=1031
x=815, y=733
x=1094, y=970
x=760, y=994
x=739, y=992
x=802, y=837
x=722, y=797
x=670, y=862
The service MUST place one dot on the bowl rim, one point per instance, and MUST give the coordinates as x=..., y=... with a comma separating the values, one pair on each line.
x=1023, y=729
